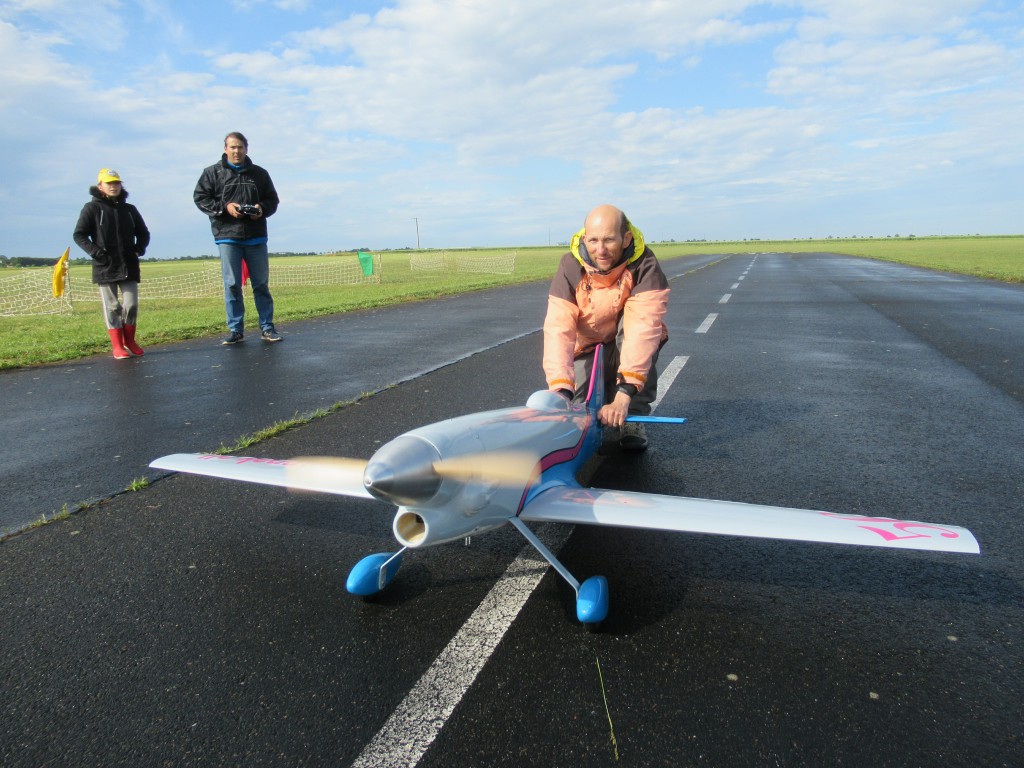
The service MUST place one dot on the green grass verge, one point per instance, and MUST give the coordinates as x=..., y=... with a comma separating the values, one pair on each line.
x=997, y=258
x=33, y=340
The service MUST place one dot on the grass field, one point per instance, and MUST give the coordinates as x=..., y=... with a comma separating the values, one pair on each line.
x=33, y=340
x=998, y=258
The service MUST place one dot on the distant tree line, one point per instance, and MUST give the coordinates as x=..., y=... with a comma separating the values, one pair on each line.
x=25, y=261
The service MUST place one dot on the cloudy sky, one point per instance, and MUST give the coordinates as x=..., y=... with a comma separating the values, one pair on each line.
x=501, y=123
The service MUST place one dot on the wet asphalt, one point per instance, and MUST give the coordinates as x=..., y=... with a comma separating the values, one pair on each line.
x=78, y=432
x=201, y=622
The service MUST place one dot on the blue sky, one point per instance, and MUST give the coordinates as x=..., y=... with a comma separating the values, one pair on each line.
x=502, y=124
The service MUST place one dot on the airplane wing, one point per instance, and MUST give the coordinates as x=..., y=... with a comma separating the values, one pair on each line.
x=593, y=506
x=333, y=478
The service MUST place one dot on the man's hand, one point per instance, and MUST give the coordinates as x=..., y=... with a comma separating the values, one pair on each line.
x=614, y=414
x=235, y=210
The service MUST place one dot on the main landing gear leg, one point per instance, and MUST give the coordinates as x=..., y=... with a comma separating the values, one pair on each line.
x=591, y=595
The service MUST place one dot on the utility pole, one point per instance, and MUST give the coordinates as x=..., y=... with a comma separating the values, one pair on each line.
x=417, y=232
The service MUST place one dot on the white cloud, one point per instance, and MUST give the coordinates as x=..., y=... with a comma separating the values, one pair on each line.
x=96, y=25
x=873, y=19
x=882, y=69
x=491, y=122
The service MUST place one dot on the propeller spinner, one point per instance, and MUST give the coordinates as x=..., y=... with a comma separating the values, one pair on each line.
x=408, y=472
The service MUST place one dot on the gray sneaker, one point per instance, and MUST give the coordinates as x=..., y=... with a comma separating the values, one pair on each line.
x=271, y=335
x=633, y=437
x=233, y=338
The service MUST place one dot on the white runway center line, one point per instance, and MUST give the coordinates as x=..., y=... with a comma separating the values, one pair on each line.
x=667, y=377
x=413, y=726
x=708, y=322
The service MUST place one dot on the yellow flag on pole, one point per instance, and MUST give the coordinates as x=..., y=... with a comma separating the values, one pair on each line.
x=59, y=270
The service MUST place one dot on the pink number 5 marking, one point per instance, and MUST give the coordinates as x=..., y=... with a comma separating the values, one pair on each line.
x=900, y=525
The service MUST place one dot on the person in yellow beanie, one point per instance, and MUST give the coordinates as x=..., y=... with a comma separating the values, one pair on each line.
x=112, y=232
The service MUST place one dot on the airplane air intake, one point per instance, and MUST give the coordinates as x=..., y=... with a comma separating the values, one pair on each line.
x=410, y=529
x=428, y=527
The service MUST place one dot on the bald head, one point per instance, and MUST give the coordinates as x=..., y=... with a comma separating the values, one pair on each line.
x=606, y=235
x=607, y=215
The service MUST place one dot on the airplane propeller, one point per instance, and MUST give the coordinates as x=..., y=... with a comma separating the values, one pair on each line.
x=412, y=482
x=509, y=468
x=329, y=474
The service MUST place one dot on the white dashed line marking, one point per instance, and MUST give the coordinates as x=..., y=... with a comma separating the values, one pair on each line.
x=708, y=322
x=417, y=721
x=667, y=377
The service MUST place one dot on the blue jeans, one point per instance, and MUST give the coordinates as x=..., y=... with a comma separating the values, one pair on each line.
x=256, y=259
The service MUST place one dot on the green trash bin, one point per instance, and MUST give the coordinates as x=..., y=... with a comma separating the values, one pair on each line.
x=366, y=262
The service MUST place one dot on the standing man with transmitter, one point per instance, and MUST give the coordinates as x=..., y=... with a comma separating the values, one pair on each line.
x=239, y=196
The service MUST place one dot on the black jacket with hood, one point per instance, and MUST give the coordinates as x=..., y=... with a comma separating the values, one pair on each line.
x=222, y=183
x=113, y=233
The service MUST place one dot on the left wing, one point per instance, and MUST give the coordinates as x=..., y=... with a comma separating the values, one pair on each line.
x=593, y=506
x=337, y=476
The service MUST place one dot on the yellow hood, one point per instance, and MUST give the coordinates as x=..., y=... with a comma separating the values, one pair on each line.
x=638, y=247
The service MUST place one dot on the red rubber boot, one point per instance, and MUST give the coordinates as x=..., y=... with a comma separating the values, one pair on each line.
x=129, y=341
x=117, y=342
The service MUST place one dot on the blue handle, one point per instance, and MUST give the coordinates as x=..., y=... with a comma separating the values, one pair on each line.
x=656, y=419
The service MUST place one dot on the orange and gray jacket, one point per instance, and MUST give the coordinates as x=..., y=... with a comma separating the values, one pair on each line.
x=585, y=307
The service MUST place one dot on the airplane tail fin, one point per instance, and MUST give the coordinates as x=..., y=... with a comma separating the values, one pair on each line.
x=595, y=394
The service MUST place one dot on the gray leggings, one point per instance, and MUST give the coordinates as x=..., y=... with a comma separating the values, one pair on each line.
x=120, y=313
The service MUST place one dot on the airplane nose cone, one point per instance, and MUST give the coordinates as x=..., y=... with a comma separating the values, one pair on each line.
x=402, y=472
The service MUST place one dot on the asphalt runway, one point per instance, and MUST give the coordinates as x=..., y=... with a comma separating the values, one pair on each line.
x=78, y=432
x=86, y=429
x=203, y=622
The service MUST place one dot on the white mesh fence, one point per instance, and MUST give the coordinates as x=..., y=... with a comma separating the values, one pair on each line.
x=445, y=261
x=339, y=272
x=191, y=285
x=208, y=283
x=29, y=291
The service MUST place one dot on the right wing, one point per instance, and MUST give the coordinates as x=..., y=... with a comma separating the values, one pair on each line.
x=341, y=477
x=593, y=506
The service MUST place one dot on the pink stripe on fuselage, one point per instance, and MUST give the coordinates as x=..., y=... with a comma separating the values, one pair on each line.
x=556, y=458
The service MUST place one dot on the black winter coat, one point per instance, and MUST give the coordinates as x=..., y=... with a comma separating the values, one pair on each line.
x=113, y=233
x=221, y=184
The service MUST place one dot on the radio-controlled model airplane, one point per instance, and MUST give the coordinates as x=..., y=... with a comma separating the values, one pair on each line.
x=475, y=473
